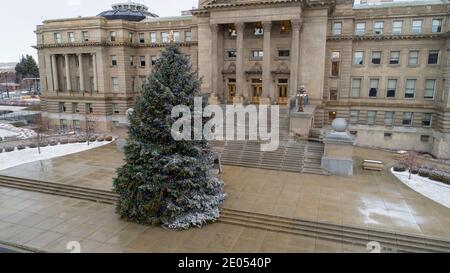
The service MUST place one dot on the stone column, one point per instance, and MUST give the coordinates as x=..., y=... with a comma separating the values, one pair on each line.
x=94, y=68
x=295, y=51
x=267, y=64
x=68, y=81
x=214, y=64
x=81, y=70
x=240, y=79
x=55, y=74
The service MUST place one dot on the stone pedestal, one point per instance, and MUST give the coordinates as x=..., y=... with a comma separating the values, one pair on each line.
x=300, y=123
x=338, y=154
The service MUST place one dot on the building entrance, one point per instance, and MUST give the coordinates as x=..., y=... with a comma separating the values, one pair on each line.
x=256, y=90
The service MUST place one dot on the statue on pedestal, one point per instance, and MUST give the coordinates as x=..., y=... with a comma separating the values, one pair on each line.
x=302, y=98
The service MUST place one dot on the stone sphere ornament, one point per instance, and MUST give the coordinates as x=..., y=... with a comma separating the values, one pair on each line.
x=340, y=125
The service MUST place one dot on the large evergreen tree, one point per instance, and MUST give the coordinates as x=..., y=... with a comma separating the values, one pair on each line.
x=27, y=68
x=167, y=182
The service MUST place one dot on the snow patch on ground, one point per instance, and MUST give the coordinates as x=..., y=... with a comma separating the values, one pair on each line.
x=436, y=191
x=8, y=130
x=16, y=158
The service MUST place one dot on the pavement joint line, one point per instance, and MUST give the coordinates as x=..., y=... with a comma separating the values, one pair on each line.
x=20, y=248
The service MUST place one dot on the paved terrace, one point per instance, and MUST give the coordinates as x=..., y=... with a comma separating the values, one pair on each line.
x=370, y=200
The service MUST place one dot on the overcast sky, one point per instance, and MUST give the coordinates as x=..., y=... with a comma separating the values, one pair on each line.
x=18, y=18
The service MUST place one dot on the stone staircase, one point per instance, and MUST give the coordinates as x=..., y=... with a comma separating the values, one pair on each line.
x=298, y=156
x=390, y=241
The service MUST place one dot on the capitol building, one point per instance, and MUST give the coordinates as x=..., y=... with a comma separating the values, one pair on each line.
x=382, y=65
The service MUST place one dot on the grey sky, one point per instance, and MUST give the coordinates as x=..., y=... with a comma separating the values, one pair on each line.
x=19, y=18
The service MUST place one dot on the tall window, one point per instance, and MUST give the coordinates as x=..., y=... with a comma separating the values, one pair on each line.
x=394, y=58
x=131, y=60
x=358, y=59
x=392, y=88
x=356, y=88
x=142, y=61
x=176, y=36
x=433, y=57
x=115, y=84
x=89, y=109
x=360, y=28
x=416, y=26
x=141, y=38
x=115, y=108
x=62, y=107
x=85, y=35
x=334, y=94
x=373, y=91
x=75, y=108
x=284, y=53
x=63, y=124
x=376, y=57
x=410, y=90
x=153, y=37
x=337, y=28
x=76, y=124
x=371, y=117
x=130, y=37
x=71, y=37
x=413, y=57
x=426, y=119
x=188, y=36
x=165, y=37
x=153, y=60
x=430, y=86
x=397, y=27
x=378, y=28
x=112, y=36
x=389, y=118
x=231, y=54
x=113, y=60
x=436, y=26
x=407, y=119
x=58, y=37
x=259, y=30
x=354, y=116
x=335, y=63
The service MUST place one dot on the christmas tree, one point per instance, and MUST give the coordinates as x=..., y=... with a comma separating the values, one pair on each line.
x=166, y=182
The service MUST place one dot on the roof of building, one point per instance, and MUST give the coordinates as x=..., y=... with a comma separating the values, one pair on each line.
x=396, y=3
x=129, y=11
x=170, y=18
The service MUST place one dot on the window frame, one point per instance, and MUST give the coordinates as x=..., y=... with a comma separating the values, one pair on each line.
x=359, y=88
x=388, y=89
x=375, y=28
x=377, y=89
x=427, y=89
x=398, y=59
x=358, y=31
x=354, y=58
x=440, y=25
x=337, y=31
x=412, y=26
x=394, y=27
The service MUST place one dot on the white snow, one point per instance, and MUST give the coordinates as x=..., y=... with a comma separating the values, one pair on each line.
x=8, y=130
x=16, y=158
x=436, y=191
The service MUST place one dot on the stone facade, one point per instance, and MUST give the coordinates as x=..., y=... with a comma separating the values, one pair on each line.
x=384, y=68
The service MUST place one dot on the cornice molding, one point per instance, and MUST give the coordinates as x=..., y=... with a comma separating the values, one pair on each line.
x=118, y=44
x=387, y=37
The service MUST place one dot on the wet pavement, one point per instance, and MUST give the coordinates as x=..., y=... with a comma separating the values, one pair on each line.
x=370, y=200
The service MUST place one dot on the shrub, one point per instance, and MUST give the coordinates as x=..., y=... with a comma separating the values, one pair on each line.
x=63, y=141
x=32, y=146
x=92, y=138
x=1, y=150
x=53, y=143
x=109, y=138
x=400, y=168
x=100, y=139
x=415, y=170
x=44, y=144
x=21, y=147
x=73, y=140
x=440, y=176
x=9, y=149
x=81, y=140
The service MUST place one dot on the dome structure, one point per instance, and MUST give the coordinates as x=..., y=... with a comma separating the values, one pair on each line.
x=129, y=11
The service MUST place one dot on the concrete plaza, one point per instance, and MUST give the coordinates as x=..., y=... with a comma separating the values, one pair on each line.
x=368, y=200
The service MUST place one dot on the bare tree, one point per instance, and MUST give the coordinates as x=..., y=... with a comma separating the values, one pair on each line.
x=410, y=161
x=90, y=127
x=39, y=127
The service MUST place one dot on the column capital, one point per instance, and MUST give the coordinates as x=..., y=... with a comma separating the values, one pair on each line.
x=239, y=26
x=296, y=24
x=267, y=26
x=214, y=28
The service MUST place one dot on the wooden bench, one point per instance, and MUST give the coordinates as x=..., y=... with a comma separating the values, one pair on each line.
x=373, y=165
